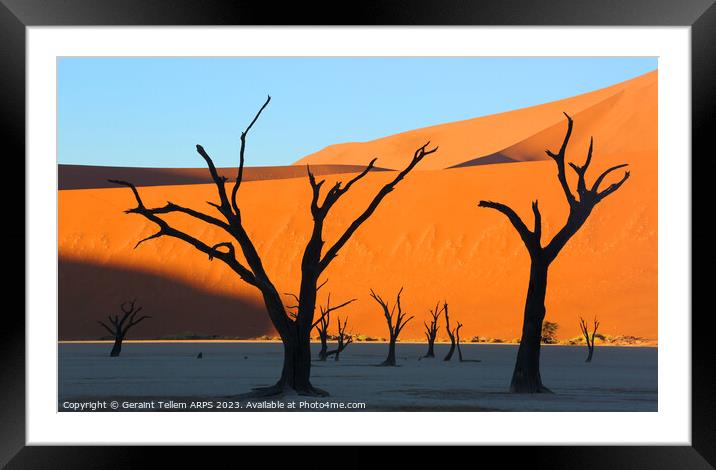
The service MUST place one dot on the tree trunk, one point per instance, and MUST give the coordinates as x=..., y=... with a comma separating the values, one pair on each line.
x=117, y=348
x=296, y=372
x=452, y=349
x=591, y=352
x=526, y=376
x=390, y=360
x=431, y=349
x=323, y=353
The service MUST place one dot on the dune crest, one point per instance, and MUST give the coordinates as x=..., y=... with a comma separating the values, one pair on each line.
x=484, y=136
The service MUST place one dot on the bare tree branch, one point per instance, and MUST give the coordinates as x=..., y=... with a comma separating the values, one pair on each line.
x=227, y=245
x=171, y=207
x=134, y=322
x=129, y=311
x=559, y=159
x=321, y=285
x=332, y=252
x=166, y=230
x=294, y=296
x=322, y=319
x=220, y=181
x=337, y=191
x=341, y=305
x=386, y=310
x=538, y=223
x=605, y=173
x=400, y=328
x=316, y=192
x=111, y=331
x=582, y=170
x=240, y=174
x=527, y=236
x=614, y=186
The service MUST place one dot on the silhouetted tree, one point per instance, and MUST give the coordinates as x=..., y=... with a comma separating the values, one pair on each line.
x=322, y=324
x=343, y=339
x=431, y=330
x=450, y=332
x=457, y=343
x=590, y=341
x=526, y=376
x=295, y=332
x=549, y=332
x=395, y=323
x=120, y=326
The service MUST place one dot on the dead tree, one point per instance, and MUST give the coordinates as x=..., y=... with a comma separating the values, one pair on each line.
x=395, y=323
x=321, y=325
x=431, y=330
x=457, y=343
x=526, y=376
x=343, y=339
x=590, y=341
x=295, y=333
x=120, y=326
x=451, y=334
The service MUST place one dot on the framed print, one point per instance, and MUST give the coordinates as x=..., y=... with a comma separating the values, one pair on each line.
x=398, y=226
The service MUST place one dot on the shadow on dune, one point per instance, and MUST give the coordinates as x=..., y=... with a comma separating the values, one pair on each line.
x=488, y=160
x=533, y=148
x=90, y=292
x=94, y=177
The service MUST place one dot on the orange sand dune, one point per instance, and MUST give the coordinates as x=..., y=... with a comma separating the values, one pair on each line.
x=436, y=243
x=474, y=138
x=428, y=236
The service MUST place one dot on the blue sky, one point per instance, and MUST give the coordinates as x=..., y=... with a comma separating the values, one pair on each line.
x=151, y=112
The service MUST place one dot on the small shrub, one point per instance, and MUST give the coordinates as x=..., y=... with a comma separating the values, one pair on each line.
x=188, y=335
x=359, y=337
x=479, y=339
x=549, y=332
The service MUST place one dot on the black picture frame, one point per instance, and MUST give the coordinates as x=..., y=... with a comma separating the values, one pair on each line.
x=16, y=15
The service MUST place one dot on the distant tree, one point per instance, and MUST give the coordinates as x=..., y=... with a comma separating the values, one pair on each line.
x=323, y=323
x=526, y=377
x=395, y=323
x=451, y=334
x=590, y=340
x=343, y=339
x=549, y=332
x=321, y=326
x=120, y=326
x=431, y=330
x=457, y=341
x=295, y=332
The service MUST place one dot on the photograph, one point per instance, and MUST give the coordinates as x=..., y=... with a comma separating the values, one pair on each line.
x=422, y=224
x=357, y=233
